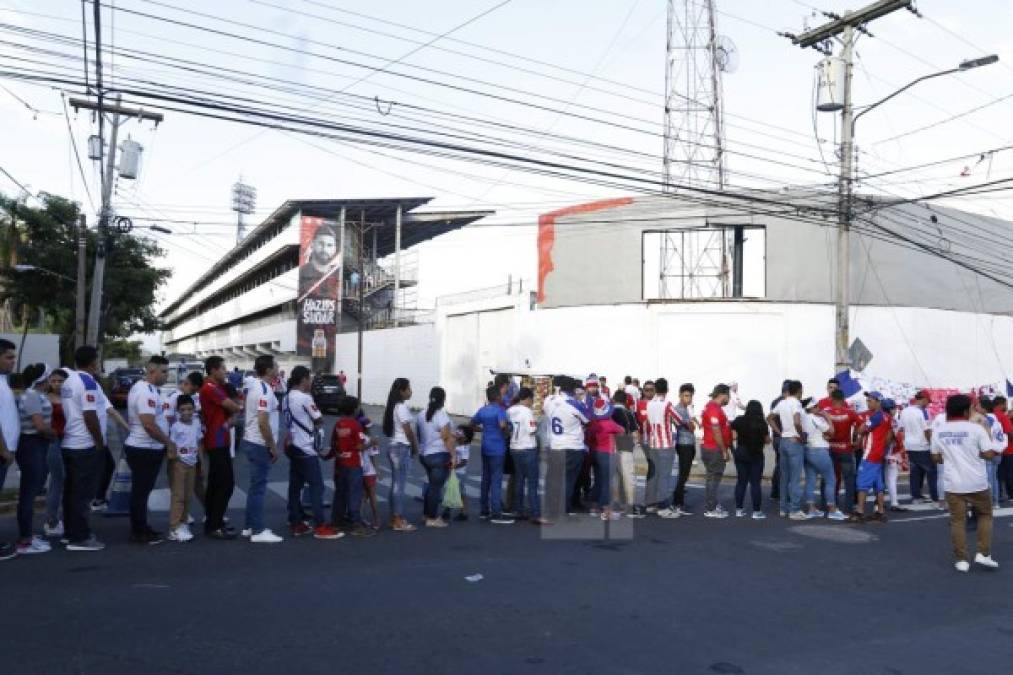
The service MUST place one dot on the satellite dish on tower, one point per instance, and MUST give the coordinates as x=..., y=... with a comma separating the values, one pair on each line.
x=726, y=54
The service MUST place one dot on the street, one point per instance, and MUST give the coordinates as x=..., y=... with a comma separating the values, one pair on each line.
x=686, y=596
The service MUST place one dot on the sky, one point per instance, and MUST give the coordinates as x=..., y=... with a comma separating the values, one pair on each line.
x=590, y=58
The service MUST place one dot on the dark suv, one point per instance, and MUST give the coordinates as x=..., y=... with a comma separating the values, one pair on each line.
x=120, y=382
x=327, y=391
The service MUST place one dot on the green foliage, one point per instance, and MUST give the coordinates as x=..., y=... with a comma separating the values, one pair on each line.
x=123, y=349
x=46, y=237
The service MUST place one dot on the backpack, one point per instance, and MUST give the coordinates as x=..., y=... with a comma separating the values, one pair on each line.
x=317, y=434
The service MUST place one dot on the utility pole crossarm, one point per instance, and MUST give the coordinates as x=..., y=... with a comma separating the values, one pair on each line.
x=813, y=37
x=140, y=113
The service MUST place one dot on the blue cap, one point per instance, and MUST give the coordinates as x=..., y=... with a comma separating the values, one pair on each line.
x=875, y=395
x=888, y=404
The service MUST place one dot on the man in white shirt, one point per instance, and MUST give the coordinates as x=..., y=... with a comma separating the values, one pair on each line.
x=567, y=419
x=83, y=440
x=735, y=403
x=146, y=445
x=964, y=447
x=914, y=420
x=786, y=421
x=260, y=447
x=524, y=452
x=303, y=421
x=10, y=426
x=632, y=390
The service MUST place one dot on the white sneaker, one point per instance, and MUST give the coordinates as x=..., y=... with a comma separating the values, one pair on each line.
x=180, y=534
x=759, y=515
x=962, y=565
x=265, y=536
x=246, y=533
x=32, y=547
x=189, y=520
x=816, y=513
x=39, y=541
x=836, y=515
x=715, y=514
x=55, y=531
x=186, y=528
x=668, y=513
x=985, y=561
x=798, y=515
x=740, y=513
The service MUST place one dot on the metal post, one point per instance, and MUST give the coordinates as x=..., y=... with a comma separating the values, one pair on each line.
x=98, y=277
x=341, y=280
x=397, y=262
x=362, y=307
x=841, y=333
x=737, y=260
x=82, y=250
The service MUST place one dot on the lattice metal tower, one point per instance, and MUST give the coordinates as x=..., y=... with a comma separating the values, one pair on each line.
x=694, y=265
x=244, y=202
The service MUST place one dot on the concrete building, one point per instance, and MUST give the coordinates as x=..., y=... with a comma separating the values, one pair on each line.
x=753, y=305
x=308, y=272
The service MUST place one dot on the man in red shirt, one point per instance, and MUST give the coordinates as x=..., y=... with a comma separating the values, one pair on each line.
x=715, y=449
x=1001, y=412
x=845, y=421
x=216, y=409
x=640, y=407
x=832, y=385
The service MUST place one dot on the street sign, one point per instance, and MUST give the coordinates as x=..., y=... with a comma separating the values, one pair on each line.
x=859, y=355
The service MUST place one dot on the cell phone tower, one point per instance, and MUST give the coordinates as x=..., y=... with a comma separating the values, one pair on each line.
x=244, y=202
x=695, y=59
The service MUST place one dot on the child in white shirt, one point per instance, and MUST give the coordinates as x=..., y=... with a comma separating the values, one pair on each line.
x=185, y=433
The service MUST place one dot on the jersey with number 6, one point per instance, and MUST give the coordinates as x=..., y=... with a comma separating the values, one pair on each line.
x=566, y=424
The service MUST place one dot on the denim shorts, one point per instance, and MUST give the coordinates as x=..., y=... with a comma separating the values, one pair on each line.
x=870, y=477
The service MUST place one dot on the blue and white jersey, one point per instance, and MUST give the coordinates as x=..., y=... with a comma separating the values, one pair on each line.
x=145, y=399
x=996, y=434
x=567, y=419
x=80, y=394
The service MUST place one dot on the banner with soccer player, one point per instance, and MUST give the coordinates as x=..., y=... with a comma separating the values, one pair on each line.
x=319, y=299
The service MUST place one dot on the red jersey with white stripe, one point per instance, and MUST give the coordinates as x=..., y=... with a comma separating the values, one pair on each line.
x=662, y=418
x=640, y=408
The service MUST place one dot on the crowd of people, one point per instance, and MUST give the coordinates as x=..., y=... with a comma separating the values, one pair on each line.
x=830, y=457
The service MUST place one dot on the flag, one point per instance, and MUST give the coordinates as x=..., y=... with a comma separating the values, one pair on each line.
x=849, y=386
x=1009, y=388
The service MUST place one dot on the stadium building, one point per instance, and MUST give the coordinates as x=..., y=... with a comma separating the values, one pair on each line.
x=305, y=274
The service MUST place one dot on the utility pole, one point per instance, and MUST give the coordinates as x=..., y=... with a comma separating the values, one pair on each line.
x=82, y=249
x=845, y=26
x=397, y=263
x=362, y=305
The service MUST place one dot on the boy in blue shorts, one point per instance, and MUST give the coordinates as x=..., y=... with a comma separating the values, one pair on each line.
x=876, y=435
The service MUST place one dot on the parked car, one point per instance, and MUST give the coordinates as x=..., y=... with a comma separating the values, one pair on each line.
x=327, y=390
x=120, y=382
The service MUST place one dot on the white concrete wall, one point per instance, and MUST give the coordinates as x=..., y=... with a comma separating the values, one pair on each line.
x=38, y=348
x=757, y=344
x=387, y=354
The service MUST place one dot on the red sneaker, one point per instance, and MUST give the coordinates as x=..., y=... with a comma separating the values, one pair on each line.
x=300, y=529
x=326, y=532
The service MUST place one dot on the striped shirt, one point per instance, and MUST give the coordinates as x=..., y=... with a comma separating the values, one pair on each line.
x=661, y=418
x=34, y=403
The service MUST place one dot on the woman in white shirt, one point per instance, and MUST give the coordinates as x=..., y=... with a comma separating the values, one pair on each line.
x=819, y=429
x=436, y=440
x=398, y=426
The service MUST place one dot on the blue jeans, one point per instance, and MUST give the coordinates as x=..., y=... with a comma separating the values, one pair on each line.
x=603, y=463
x=304, y=469
x=792, y=459
x=492, y=484
x=818, y=463
x=923, y=467
x=437, y=472
x=992, y=465
x=659, y=481
x=54, y=495
x=31, y=459
x=260, y=465
x=347, y=495
x=399, y=456
x=526, y=481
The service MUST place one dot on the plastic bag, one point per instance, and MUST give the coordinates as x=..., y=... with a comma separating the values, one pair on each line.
x=452, y=493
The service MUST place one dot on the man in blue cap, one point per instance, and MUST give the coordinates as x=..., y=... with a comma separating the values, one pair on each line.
x=875, y=437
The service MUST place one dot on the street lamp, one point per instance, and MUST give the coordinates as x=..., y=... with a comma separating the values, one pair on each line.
x=35, y=268
x=969, y=64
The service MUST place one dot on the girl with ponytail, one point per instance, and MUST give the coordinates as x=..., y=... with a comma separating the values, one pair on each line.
x=398, y=425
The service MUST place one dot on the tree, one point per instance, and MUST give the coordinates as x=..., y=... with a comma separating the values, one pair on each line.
x=123, y=349
x=46, y=237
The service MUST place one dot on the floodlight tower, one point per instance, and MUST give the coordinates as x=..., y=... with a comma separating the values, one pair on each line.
x=244, y=202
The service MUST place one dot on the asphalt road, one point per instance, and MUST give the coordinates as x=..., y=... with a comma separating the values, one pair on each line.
x=650, y=596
